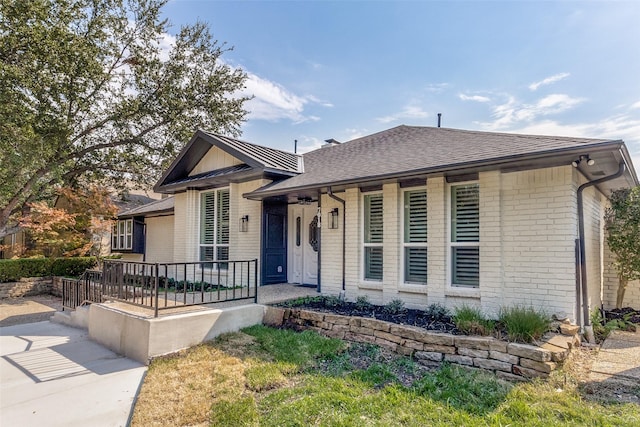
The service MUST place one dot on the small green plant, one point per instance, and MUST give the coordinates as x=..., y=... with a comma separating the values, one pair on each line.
x=363, y=303
x=471, y=321
x=333, y=301
x=524, y=324
x=602, y=328
x=437, y=311
x=395, y=307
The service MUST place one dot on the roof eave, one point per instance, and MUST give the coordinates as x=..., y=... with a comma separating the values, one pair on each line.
x=512, y=160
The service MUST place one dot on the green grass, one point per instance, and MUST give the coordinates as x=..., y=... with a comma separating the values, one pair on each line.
x=471, y=321
x=524, y=324
x=271, y=377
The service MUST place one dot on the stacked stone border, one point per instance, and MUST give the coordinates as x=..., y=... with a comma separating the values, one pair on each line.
x=511, y=361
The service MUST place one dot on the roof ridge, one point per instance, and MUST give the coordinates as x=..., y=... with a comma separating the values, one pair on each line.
x=251, y=143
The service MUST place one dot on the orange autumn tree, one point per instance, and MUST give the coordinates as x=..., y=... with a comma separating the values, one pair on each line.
x=73, y=227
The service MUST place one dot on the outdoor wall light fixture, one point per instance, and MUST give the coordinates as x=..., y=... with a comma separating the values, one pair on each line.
x=333, y=223
x=244, y=224
x=583, y=158
x=304, y=200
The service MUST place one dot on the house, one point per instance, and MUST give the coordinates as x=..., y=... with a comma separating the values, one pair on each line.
x=426, y=215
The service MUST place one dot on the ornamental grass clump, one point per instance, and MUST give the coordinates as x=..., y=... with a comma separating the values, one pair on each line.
x=471, y=321
x=524, y=324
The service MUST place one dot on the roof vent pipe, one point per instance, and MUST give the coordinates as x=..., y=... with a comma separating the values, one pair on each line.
x=295, y=146
x=439, y=118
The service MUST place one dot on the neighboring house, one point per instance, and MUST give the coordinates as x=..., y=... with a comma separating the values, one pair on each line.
x=16, y=240
x=426, y=215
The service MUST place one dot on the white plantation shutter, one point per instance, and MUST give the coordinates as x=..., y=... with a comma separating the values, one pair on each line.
x=373, y=218
x=207, y=218
x=415, y=236
x=222, y=230
x=465, y=235
x=465, y=205
x=214, y=226
x=373, y=236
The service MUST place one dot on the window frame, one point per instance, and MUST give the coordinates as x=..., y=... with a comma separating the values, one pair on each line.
x=122, y=235
x=364, y=244
x=215, y=245
x=403, y=240
x=451, y=245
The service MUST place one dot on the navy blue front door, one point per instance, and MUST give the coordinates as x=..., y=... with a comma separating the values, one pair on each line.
x=274, y=243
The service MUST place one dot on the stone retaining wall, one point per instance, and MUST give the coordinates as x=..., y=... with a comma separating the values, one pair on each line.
x=512, y=361
x=26, y=287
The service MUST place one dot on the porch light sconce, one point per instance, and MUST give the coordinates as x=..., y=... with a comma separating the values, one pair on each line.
x=244, y=224
x=304, y=200
x=333, y=220
x=583, y=158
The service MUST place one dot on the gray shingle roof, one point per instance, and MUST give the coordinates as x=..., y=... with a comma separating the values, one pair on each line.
x=403, y=149
x=162, y=205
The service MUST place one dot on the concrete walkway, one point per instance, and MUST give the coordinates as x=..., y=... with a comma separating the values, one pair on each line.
x=617, y=364
x=53, y=375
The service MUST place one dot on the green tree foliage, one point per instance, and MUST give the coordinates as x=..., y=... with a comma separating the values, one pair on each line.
x=622, y=222
x=97, y=91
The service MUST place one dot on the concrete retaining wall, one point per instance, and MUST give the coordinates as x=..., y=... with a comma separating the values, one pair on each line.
x=513, y=361
x=142, y=338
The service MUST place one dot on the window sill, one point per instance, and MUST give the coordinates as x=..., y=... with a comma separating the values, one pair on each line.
x=376, y=286
x=462, y=292
x=413, y=288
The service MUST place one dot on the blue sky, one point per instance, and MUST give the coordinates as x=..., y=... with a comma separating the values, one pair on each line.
x=323, y=69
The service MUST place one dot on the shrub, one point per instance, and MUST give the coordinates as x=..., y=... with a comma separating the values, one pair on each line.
x=524, y=324
x=363, y=303
x=72, y=267
x=471, y=321
x=395, y=306
x=15, y=269
x=438, y=311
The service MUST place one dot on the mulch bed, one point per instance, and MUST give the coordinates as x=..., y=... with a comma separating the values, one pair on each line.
x=628, y=314
x=411, y=317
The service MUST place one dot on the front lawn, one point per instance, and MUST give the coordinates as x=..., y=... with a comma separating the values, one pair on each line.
x=270, y=377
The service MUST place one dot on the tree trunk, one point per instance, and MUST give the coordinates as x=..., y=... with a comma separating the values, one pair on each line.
x=622, y=286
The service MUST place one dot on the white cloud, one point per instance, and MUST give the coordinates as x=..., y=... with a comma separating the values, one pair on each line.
x=437, y=87
x=514, y=113
x=548, y=81
x=476, y=98
x=408, y=112
x=273, y=102
x=635, y=105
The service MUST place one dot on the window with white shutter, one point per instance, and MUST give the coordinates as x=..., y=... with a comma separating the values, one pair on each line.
x=214, y=225
x=465, y=235
x=415, y=236
x=122, y=235
x=373, y=229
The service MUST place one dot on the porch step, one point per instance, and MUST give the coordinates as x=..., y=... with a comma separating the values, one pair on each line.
x=77, y=319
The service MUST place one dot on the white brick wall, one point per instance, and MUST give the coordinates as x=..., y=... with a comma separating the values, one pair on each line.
x=632, y=294
x=185, y=227
x=528, y=226
x=331, y=246
x=245, y=245
x=159, y=239
x=539, y=227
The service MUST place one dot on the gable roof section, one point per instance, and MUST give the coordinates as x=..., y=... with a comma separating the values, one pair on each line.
x=412, y=150
x=162, y=206
x=258, y=160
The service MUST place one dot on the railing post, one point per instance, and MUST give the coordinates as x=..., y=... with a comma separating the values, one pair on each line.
x=255, y=279
x=156, y=289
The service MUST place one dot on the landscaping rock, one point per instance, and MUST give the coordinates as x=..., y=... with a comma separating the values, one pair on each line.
x=529, y=352
x=462, y=351
x=546, y=367
x=503, y=357
x=477, y=343
x=435, y=338
x=492, y=365
x=273, y=316
x=460, y=360
x=433, y=356
x=570, y=330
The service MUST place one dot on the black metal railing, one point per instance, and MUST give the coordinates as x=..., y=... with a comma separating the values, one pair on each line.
x=85, y=290
x=162, y=286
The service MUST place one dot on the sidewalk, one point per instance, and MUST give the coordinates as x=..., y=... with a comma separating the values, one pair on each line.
x=53, y=375
x=617, y=365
